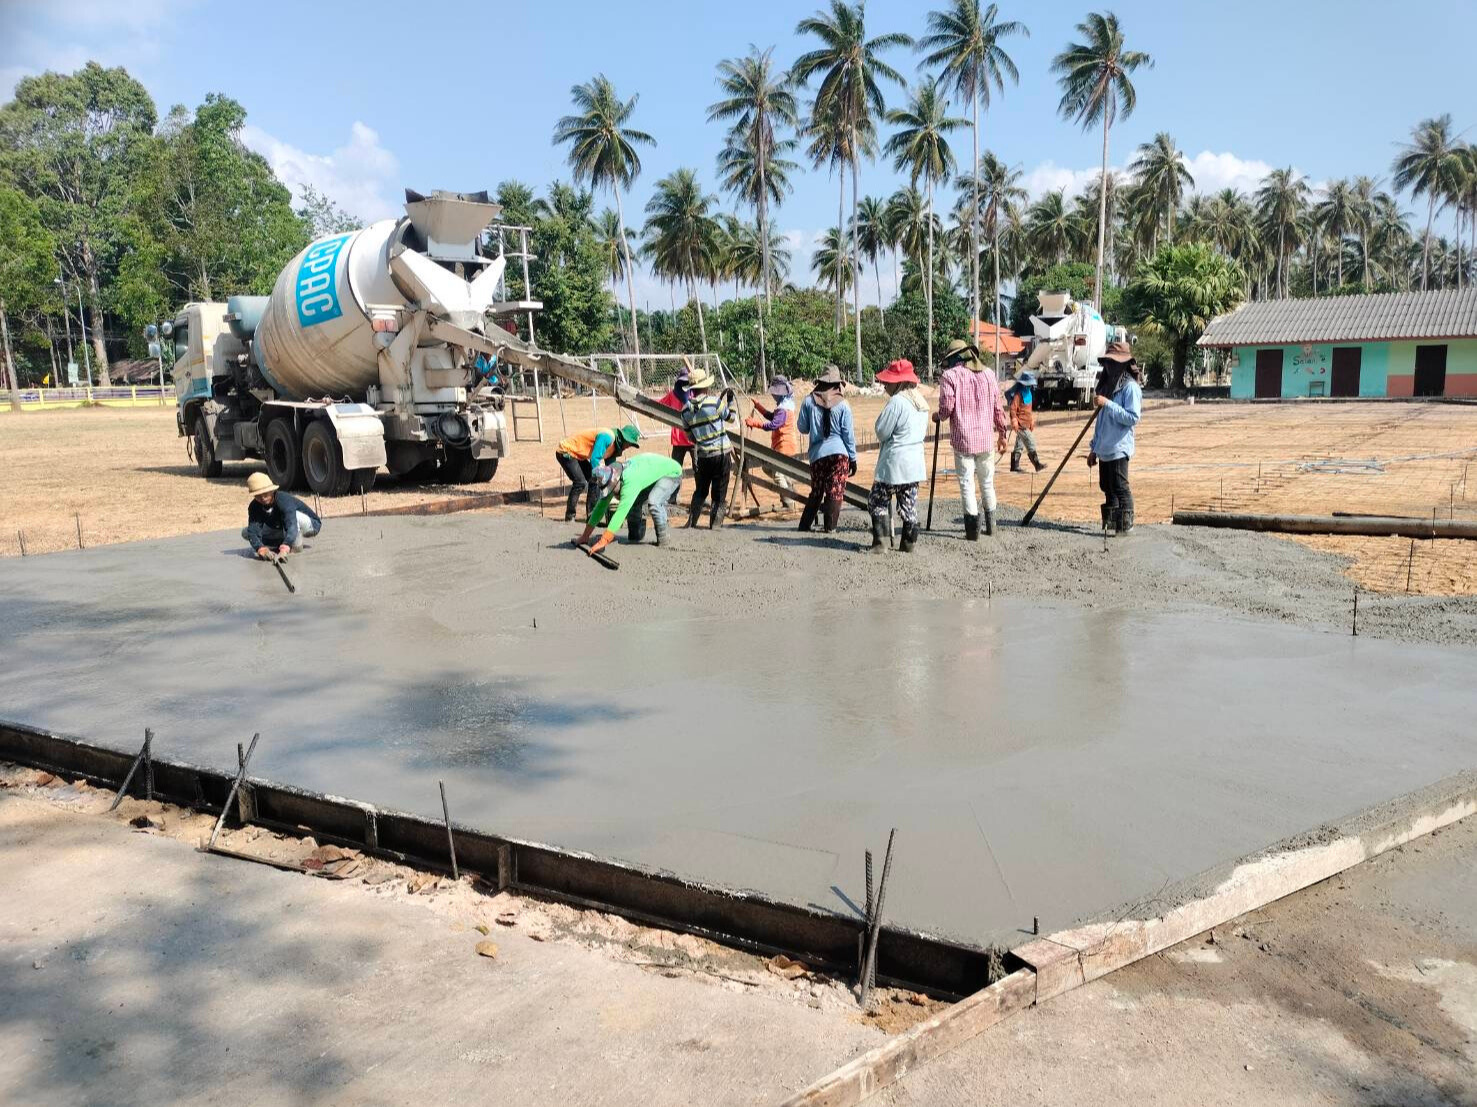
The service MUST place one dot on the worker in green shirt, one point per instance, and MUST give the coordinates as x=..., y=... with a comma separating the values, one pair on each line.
x=627, y=490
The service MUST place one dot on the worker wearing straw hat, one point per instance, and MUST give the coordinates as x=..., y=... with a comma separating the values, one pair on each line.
x=276, y=523
x=901, y=429
x=1119, y=400
x=706, y=416
x=826, y=417
x=969, y=397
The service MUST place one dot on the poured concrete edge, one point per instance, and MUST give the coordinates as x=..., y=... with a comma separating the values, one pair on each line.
x=1070, y=958
x=743, y=919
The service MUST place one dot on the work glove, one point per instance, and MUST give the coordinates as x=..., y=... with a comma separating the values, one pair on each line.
x=1091, y=459
x=851, y=467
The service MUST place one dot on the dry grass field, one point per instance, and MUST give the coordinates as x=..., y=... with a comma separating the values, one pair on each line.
x=124, y=475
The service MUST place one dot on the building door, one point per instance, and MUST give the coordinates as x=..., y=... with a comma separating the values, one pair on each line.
x=1346, y=361
x=1268, y=374
x=1430, y=370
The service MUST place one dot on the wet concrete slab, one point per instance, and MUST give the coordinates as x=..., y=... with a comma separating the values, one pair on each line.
x=725, y=713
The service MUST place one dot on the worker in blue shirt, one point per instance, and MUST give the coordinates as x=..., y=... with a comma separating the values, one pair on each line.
x=1120, y=401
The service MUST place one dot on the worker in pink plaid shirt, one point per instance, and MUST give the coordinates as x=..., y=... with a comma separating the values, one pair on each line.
x=970, y=398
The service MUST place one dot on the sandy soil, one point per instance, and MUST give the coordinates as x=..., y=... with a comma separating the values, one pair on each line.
x=124, y=475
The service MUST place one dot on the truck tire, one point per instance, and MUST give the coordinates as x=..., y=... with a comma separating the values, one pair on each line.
x=459, y=466
x=323, y=460
x=361, y=480
x=205, y=459
x=284, y=455
x=486, y=470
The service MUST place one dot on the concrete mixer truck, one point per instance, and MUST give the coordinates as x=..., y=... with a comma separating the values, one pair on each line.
x=1070, y=336
x=341, y=369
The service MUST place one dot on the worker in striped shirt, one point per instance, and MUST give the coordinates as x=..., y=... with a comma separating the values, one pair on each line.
x=706, y=415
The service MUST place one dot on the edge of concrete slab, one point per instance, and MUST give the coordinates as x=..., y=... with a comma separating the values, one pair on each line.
x=1068, y=959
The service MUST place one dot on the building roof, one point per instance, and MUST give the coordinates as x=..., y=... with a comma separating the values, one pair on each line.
x=984, y=338
x=1389, y=316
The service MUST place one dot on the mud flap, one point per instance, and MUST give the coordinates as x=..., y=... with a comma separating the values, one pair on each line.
x=361, y=435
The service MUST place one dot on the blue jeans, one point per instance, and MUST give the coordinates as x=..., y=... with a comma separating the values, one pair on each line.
x=661, y=494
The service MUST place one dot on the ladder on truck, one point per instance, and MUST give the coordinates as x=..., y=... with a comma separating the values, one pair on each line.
x=524, y=405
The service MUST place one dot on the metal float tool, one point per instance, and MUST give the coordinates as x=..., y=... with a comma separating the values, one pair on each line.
x=276, y=560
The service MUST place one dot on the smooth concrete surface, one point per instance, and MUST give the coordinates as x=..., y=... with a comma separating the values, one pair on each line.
x=741, y=722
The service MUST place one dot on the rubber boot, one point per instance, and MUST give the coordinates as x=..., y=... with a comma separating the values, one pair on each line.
x=1015, y=463
x=1125, y=520
x=832, y=516
x=1036, y=461
x=692, y=514
x=715, y=520
x=1107, y=514
x=661, y=534
x=636, y=530
x=571, y=502
x=972, y=528
x=989, y=524
x=879, y=535
x=910, y=536
x=807, y=518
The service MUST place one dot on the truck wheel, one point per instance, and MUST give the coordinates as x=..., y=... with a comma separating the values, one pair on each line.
x=284, y=455
x=323, y=463
x=486, y=470
x=205, y=459
x=459, y=466
x=361, y=480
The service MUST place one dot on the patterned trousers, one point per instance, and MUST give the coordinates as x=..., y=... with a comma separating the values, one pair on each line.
x=907, y=500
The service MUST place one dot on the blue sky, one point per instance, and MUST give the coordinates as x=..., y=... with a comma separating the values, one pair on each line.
x=362, y=100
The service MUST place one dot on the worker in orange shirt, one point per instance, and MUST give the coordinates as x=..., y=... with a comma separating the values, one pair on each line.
x=779, y=421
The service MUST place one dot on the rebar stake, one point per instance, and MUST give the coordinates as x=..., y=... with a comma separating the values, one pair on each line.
x=1409, y=564
x=450, y=842
x=1355, y=631
x=869, y=964
x=77, y=515
x=143, y=755
x=231, y=795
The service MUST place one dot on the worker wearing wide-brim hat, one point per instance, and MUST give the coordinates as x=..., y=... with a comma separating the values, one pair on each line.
x=1022, y=391
x=580, y=453
x=1119, y=400
x=826, y=417
x=628, y=490
x=902, y=428
x=779, y=421
x=706, y=416
x=970, y=399
x=676, y=399
x=276, y=522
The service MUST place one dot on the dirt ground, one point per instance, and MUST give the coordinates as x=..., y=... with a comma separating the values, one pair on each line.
x=209, y=972
x=123, y=474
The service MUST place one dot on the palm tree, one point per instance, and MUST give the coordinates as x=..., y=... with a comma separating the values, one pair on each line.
x=849, y=65
x=1160, y=169
x=602, y=152
x=965, y=43
x=908, y=220
x=1049, y=229
x=874, y=235
x=1336, y=215
x=1364, y=194
x=1003, y=197
x=921, y=146
x=1464, y=196
x=832, y=262
x=681, y=235
x=756, y=101
x=1429, y=164
x=1391, y=244
x=1280, y=201
x=1095, y=87
x=615, y=245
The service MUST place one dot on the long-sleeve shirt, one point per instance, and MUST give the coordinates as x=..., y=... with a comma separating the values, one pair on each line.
x=970, y=399
x=675, y=402
x=596, y=445
x=841, y=438
x=639, y=474
x=705, y=417
x=278, y=518
x=902, y=428
x=780, y=423
x=1112, y=437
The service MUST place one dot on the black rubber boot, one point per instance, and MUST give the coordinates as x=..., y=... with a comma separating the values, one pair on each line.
x=1015, y=463
x=989, y=524
x=693, y=513
x=1036, y=461
x=972, y=528
x=832, y=516
x=807, y=519
x=636, y=530
x=661, y=534
x=1125, y=520
x=910, y=536
x=879, y=535
x=1107, y=513
x=715, y=520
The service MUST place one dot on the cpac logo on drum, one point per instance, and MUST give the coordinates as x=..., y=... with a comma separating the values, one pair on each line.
x=317, y=289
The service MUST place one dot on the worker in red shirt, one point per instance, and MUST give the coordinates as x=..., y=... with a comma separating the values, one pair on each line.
x=676, y=399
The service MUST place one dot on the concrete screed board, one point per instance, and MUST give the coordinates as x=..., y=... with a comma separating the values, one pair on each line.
x=1037, y=759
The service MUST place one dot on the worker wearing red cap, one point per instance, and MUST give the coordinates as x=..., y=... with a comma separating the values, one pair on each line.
x=902, y=428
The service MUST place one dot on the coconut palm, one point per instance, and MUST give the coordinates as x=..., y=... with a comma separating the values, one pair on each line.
x=1002, y=196
x=1364, y=193
x=760, y=104
x=828, y=144
x=1428, y=165
x=874, y=235
x=1280, y=202
x=1464, y=197
x=616, y=245
x=1094, y=77
x=832, y=262
x=1336, y=216
x=964, y=43
x=682, y=236
x=1049, y=229
x=849, y=97
x=1391, y=244
x=602, y=152
x=908, y=219
x=1160, y=170
x=921, y=146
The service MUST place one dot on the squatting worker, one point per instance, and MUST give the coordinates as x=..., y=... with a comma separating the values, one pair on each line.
x=579, y=454
x=1023, y=421
x=276, y=523
x=706, y=416
x=902, y=428
x=676, y=399
x=627, y=490
x=1119, y=400
x=826, y=417
x=969, y=397
x=779, y=421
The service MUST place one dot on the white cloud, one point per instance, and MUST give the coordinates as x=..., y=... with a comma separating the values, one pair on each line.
x=1213, y=172
x=1049, y=177
x=359, y=176
x=63, y=35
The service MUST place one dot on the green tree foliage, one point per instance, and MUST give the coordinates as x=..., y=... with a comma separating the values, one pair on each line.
x=323, y=216
x=27, y=264
x=1178, y=292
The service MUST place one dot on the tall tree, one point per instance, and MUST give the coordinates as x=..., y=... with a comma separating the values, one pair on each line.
x=27, y=269
x=1335, y=215
x=1094, y=78
x=602, y=152
x=964, y=43
x=1362, y=198
x=849, y=65
x=615, y=248
x=921, y=146
x=74, y=144
x=1161, y=171
x=681, y=234
x=1179, y=291
x=1428, y=166
x=1280, y=202
x=1049, y=229
x=831, y=262
x=1002, y=194
x=873, y=237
